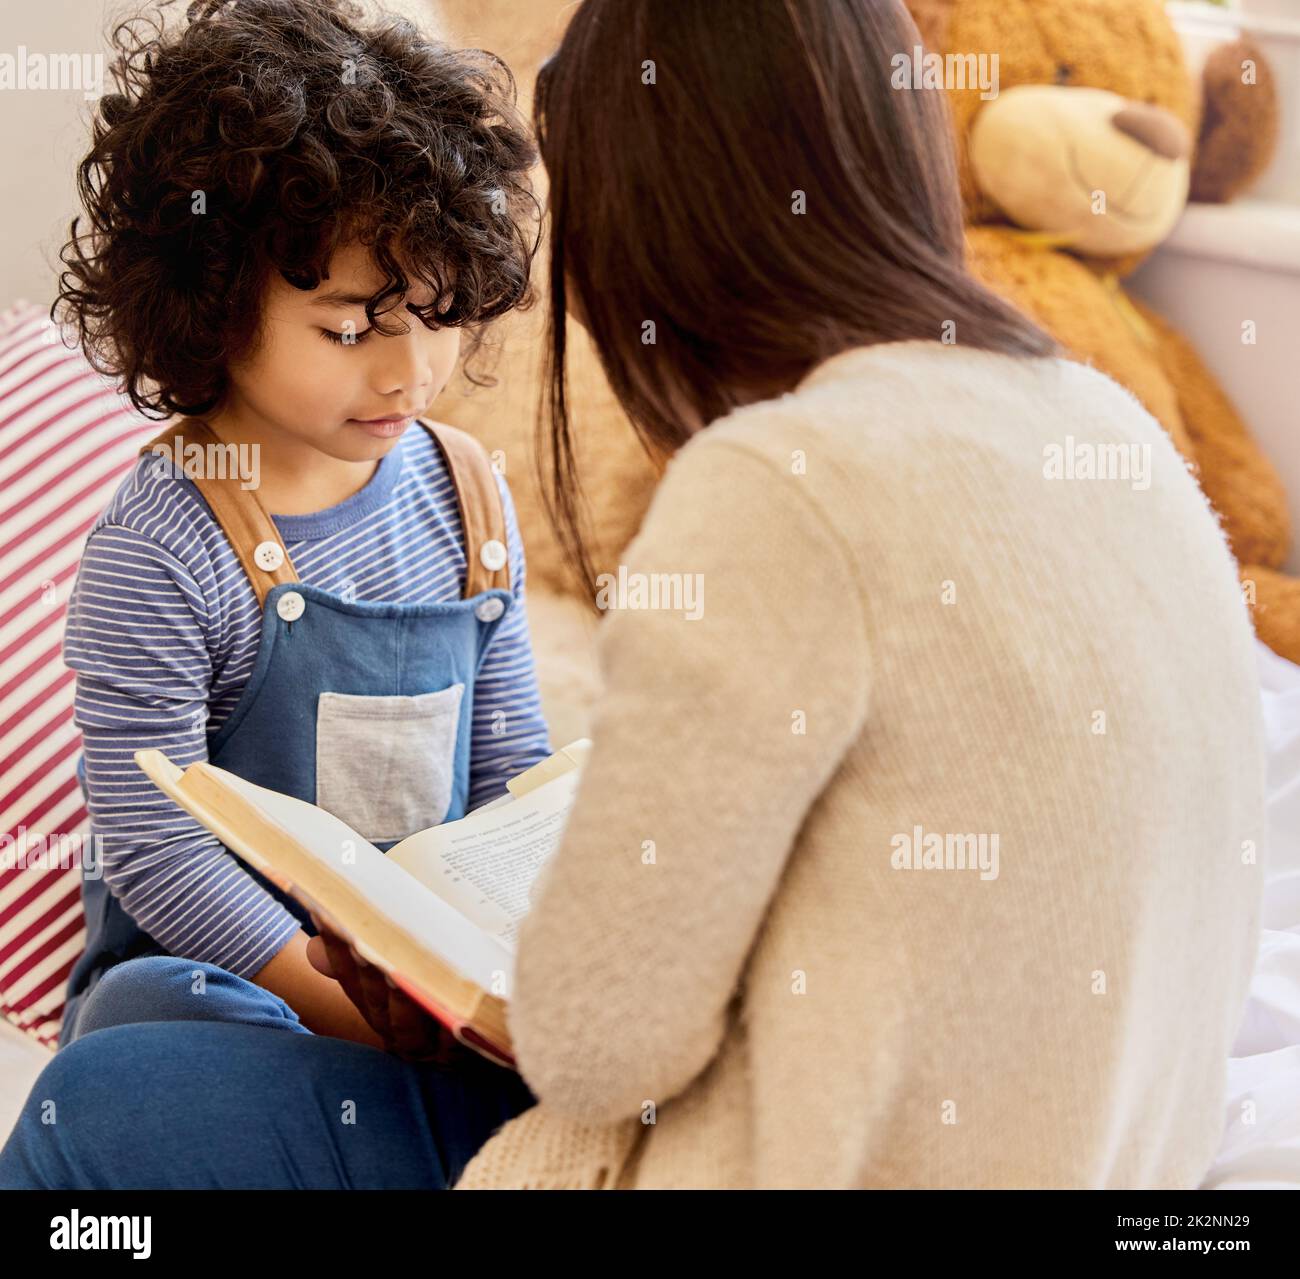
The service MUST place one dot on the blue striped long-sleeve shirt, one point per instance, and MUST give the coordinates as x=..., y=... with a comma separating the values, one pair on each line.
x=162, y=632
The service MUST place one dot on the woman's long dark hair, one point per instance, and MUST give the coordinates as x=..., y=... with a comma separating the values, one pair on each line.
x=678, y=139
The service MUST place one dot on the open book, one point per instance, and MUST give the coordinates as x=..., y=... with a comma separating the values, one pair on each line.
x=438, y=912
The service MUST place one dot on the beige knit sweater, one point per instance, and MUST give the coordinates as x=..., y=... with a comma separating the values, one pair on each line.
x=773, y=949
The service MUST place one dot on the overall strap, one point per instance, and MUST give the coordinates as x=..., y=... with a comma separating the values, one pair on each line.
x=243, y=519
x=487, y=562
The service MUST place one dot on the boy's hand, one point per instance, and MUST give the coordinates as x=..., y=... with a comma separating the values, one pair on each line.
x=405, y=1028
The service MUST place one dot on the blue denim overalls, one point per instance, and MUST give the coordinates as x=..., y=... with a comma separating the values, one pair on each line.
x=363, y=708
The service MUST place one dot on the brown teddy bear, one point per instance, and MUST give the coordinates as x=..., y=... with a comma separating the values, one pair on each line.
x=1073, y=169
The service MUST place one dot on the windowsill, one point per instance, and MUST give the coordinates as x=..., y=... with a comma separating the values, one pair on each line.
x=1230, y=21
x=1264, y=234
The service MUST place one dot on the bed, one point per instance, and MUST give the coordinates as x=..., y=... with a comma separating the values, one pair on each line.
x=1261, y=1140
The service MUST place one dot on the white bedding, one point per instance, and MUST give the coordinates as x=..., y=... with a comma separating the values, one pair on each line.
x=1261, y=1146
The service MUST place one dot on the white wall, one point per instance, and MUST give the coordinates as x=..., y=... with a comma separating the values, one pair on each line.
x=1226, y=266
x=44, y=133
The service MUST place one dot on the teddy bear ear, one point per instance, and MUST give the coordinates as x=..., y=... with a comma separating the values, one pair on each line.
x=1239, y=121
x=932, y=18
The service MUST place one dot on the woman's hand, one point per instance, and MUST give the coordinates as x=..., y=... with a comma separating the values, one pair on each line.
x=405, y=1028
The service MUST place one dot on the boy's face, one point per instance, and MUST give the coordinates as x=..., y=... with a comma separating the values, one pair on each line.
x=323, y=376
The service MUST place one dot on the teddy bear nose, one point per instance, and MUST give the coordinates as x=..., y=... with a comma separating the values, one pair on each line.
x=1155, y=128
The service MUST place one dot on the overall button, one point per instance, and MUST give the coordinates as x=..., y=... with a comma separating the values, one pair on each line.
x=268, y=555
x=489, y=610
x=493, y=554
x=290, y=606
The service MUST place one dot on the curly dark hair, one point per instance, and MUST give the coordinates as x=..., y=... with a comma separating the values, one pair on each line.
x=263, y=135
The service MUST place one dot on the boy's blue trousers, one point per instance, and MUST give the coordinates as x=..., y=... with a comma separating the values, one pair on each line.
x=165, y=1086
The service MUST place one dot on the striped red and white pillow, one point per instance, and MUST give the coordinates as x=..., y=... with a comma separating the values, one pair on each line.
x=66, y=439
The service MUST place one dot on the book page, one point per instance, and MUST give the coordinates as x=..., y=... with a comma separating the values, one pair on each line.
x=486, y=863
x=429, y=918
x=320, y=831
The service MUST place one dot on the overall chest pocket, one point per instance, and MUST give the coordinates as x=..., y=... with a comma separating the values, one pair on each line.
x=387, y=765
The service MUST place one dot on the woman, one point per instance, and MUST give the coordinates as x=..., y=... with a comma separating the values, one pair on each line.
x=913, y=857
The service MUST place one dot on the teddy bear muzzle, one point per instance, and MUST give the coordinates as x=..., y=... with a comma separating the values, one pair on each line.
x=1108, y=174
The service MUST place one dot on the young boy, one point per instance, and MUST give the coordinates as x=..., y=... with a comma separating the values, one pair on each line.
x=295, y=215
